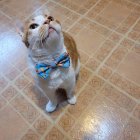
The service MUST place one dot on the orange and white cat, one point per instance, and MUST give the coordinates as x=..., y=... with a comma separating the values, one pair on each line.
x=45, y=41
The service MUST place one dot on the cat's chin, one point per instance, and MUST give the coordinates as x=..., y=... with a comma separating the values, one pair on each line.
x=52, y=36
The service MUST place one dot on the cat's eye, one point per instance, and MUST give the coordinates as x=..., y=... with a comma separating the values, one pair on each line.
x=50, y=18
x=33, y=26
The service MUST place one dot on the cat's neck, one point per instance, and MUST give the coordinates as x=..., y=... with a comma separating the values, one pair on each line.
x=47, y=53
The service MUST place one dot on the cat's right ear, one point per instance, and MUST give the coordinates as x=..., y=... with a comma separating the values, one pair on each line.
x=19, y=28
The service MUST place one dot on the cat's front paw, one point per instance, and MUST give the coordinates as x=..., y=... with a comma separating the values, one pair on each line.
x=72, y=100
x=50, y=107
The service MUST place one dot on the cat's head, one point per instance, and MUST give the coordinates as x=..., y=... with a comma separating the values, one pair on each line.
x=42, y=28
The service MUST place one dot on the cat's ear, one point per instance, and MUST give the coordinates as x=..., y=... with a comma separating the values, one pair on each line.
x=19, y=28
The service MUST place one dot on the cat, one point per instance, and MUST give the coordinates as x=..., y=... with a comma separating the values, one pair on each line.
x=46, y=43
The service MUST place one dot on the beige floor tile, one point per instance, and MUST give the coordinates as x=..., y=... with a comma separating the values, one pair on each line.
x=137, y=112
x=20, y=9
x=66, y=122
x=36, y=95
x=29, y=112
x=41, y=125
x=104, y=50
x=96, y=83
x=21, y=82
x=105, y=72
x=78, y=6
x=105, y=32
x=83, y=57
x=13, y=126
x=118, y=54
x=2, y=102
x=5, y=24
x=97, y=9
x=84, y=74
x=129, y=21
x=92, y=64
x=30, y=135
x=3, y=83
x=79, y=86
x=131, y=130
x=111, y=12
x=83, y=100
x=135, y=33
x=130, y=67
x=9, y=93
x=11, y=73
x=126, y=85
x=119, y=98
x=54, y=134
x=85, y=40
x=115, y=37
x=128, y=43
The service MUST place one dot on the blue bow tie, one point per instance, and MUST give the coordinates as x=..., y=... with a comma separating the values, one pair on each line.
x=43, y=70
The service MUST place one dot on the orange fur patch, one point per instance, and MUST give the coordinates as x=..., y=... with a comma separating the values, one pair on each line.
x=71, y=48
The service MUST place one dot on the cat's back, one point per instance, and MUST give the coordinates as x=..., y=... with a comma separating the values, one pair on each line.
x=71, y=48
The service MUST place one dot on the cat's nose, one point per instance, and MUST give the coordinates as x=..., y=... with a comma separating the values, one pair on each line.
x=47, y=21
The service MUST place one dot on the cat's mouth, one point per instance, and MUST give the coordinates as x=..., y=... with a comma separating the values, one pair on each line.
x=50, y=31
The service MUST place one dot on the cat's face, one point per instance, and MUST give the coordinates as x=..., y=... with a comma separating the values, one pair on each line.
x=42, y=28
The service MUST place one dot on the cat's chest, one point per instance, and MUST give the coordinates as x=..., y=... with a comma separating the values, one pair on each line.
x=57, y=77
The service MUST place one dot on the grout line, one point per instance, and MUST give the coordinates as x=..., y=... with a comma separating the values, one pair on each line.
x=5, y=15
x=47, y=131
x=133, y=3
x=131, y=29
x=122, y=91
x=32, y=128
x=63, y=131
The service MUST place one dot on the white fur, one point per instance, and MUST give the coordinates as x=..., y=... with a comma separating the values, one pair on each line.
x=60, y=77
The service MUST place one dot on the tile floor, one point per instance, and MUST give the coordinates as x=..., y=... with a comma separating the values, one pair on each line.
x=107, y=33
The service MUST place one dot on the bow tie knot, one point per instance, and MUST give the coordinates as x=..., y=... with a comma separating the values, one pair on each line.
x=54, y=64
x=43, y=69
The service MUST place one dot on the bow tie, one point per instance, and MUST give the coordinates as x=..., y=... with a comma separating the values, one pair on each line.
x=43, y=69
